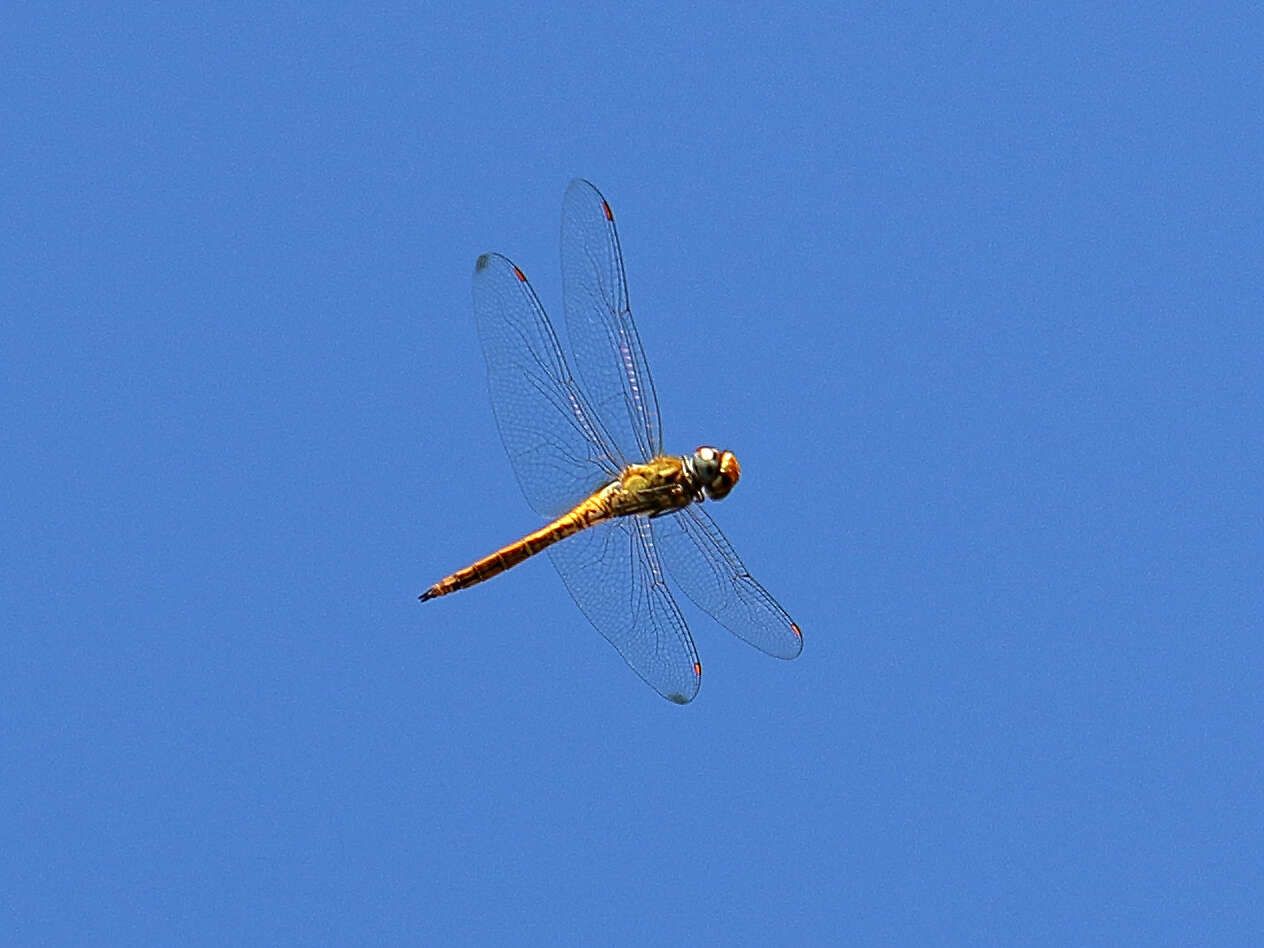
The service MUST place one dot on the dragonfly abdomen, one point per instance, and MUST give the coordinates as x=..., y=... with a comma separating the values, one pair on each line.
x=593, y=510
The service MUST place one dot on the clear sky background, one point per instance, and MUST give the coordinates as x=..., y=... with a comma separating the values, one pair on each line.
x=974, y=291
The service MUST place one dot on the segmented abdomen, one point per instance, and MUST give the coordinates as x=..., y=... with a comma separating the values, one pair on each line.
x=593, y=510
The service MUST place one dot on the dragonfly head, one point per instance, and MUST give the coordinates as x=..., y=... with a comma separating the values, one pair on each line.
x=716, y=470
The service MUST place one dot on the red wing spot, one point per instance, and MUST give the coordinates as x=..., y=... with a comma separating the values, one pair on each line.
x=697, y=669
x=520, y=275
x=609, y=214
x=795, y=629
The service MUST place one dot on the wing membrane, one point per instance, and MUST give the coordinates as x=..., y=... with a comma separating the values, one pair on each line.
x=559, y=451
x=612, y=572
x=605, y=347
x=703, y=564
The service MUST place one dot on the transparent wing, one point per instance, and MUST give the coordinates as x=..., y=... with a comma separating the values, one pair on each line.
x=558, y=450
x=701, y=561
x=604, y=343
x=613, y=574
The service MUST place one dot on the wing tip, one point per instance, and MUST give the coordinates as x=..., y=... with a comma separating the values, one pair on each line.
x=677, y=697
x=797, y=649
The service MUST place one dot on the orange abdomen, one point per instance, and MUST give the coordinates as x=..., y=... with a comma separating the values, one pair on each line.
x=590, y=511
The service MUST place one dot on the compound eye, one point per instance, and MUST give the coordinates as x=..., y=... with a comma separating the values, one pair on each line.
x=706, y=464
x=727, y=472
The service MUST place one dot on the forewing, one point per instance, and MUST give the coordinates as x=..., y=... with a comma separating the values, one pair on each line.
x=703, y=564
x=613, y=574
x=605, y=347
x=557, y=448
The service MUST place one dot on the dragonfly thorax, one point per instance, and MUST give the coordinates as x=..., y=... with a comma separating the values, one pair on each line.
x=715, y=471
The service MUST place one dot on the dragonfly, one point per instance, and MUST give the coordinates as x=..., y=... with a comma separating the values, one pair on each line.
x=587, y=451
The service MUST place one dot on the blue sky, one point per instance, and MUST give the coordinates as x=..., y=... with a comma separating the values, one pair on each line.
x=974, y=293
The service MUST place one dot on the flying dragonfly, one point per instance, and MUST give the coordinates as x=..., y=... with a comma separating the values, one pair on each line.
x=588, y=455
